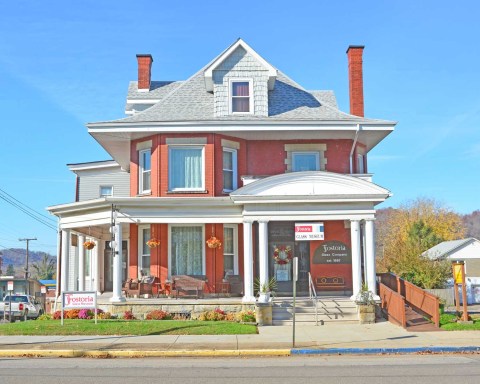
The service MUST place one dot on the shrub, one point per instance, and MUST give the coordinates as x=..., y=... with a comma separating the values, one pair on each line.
x=246, y=316
x=57, y=315
x=45, y=316
x=158, y=315
x=85, y=314
x=104, y=315
x=128, y=315
x=71, y=314
x=447, y=318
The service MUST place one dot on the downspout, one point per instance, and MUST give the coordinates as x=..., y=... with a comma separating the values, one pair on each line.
x=353, y=148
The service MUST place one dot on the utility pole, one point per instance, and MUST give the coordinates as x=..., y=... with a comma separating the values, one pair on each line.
x=27, y=284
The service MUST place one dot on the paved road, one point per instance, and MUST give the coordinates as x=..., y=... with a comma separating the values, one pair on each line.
x=424, y=369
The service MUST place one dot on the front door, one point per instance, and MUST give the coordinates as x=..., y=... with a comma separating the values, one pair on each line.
x=282, y=247
x=108, y=265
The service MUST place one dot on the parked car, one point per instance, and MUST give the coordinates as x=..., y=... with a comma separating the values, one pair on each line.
x=20, y=307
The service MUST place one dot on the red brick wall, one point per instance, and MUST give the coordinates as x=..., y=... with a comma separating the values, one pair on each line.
x=334, y=230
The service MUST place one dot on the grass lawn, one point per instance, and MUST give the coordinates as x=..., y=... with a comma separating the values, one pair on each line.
x=448, y=323
x=125, y=327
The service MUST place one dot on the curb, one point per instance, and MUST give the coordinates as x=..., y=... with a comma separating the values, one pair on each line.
x=140, y=354
x=377, y=351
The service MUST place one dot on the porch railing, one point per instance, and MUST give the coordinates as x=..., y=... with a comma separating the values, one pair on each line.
x=313, y=296
x=417, y=298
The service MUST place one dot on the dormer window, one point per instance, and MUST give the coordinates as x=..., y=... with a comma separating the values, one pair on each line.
x=241, y=96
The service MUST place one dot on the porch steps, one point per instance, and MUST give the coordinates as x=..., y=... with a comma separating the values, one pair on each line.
x=330, y=310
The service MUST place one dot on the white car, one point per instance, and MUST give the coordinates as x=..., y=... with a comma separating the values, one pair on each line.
x=32, y=308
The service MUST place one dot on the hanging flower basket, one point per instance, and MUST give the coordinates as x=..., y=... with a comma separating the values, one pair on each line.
x=282, y=254
x=153, y=242
x=89, y=244
x=213, y=242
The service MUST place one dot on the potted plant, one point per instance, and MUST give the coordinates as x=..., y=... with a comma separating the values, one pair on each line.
x=213, y=242
x=153, y=242
x=265, y=290
x=89, y=244
x=366, y=304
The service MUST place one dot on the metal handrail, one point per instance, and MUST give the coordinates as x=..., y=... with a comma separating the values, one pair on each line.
x=313, y=296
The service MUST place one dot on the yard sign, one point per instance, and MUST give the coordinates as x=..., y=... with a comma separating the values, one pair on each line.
x=79, y=300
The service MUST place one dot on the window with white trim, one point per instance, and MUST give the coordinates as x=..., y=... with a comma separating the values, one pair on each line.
x=186, y=168
x=229, y=169
x=187, y=246
x=144, y=171
x=143, y=250
x=241, y=96
x=106, y=190
x=360, y=164
x=230, y=246
x=305, y=161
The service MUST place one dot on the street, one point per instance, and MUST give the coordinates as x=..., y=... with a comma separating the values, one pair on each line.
x=423, y=369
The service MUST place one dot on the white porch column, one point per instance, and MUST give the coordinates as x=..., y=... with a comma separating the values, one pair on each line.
x=356, y=258
x=248, y=262
x=65, y=254
x=263, y=251
x=81, y=263
x=98, y=251
x=370, y=257
x=117, y=266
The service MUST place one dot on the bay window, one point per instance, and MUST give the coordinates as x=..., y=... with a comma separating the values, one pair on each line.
x=144, y=171
x=186, y=168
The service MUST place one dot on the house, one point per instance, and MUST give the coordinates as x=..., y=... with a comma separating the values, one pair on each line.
x=239, y=152
x=468, y=251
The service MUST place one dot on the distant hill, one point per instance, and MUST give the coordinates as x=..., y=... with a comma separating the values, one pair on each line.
x=472, y=223
x=17, y=256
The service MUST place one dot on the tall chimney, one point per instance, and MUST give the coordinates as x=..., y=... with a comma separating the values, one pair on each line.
x=355, y=79
x=144, y=71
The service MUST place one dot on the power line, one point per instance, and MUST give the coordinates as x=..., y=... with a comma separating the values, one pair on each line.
x=26, y=206
x=32, y=213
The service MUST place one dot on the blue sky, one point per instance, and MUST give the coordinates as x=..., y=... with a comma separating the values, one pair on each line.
x=63, y=64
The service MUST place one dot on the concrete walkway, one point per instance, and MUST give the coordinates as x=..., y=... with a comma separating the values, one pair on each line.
x=382, y=337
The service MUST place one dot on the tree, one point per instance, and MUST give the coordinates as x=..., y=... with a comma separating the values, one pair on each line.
x=45, y=269
x=10, y=270
x=404, y=234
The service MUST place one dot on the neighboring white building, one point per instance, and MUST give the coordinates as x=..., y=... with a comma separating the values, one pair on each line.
x=467, y=250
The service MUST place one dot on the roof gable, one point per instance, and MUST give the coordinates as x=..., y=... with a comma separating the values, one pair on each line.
x=219, y=60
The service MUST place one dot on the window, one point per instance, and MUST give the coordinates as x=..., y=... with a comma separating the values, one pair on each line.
x=229, y=169
x=185, y=168
x=144, y=250
x=187, y=250
x=230, y=259
x=144, y=171
x=106, y=190
x=305, y=161
x=360, y=164
x=241, y=96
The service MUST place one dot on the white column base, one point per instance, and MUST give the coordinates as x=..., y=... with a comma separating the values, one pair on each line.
x=117, y=299
x=248, y=299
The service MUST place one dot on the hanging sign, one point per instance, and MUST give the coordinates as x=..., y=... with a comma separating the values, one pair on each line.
x=309, y=231
x=333, y=252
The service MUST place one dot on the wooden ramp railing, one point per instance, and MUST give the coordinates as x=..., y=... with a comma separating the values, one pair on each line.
x=394, y=290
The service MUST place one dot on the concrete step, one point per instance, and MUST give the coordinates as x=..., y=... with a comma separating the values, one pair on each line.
x=331, y=309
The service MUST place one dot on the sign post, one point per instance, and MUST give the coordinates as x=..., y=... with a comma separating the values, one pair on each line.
x=459, y=278
x=10, y=291
x=295, y=278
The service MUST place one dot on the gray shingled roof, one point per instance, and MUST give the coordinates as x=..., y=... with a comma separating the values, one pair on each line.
x=445, y=248
x=188, y=100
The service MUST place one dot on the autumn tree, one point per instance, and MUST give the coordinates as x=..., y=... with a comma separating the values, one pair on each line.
x=403, y=234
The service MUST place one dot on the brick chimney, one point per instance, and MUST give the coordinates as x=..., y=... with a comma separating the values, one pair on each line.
x=355, y=79
x=144, y=71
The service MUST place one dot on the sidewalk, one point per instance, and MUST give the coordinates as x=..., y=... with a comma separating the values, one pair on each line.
x=382, y=337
